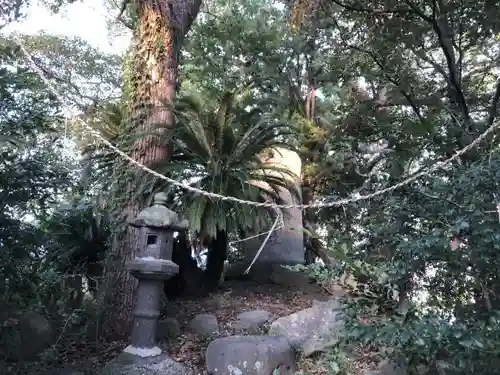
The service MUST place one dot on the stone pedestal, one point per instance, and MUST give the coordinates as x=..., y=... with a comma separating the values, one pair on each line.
x=128, y=364
x=151, y=273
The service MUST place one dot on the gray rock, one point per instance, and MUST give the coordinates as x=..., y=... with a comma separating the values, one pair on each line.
x=284, y=276
x=250, y=355
x=63, y=371
x=333, y=303
x=204, y=324
x=311, y=330
x=27, y=334
x=168, y=329
x=271, y=273
x=251, y=321
x=127, y=364
x=395, y=366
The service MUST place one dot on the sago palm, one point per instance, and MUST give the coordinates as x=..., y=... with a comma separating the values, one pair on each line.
x=221, y=150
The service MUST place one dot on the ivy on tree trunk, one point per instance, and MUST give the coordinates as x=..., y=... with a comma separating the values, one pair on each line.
x=157, y=41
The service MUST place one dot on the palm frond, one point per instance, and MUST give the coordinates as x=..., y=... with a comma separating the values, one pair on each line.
x=221, y=148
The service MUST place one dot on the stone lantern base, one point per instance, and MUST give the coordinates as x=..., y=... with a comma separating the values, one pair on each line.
x=143, y=352
x=129, y=364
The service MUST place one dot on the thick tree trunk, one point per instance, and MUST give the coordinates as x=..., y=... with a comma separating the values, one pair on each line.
x=307, y=191
x=315, y=247
x=216, y=258
x=309, y=254
x=158, y=38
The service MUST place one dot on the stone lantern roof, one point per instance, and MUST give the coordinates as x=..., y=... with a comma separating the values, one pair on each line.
x=158, y=216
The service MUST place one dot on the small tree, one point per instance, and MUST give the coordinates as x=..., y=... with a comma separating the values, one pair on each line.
x=220, y=150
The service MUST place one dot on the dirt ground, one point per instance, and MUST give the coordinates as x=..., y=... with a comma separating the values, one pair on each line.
x=241, y=296
x=236, y=297
x=189, y=349
x=233, y=298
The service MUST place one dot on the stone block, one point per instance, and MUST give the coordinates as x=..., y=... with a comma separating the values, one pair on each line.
x=311, y=330
x=128, y=364
x=204, y=324
x=250, y=355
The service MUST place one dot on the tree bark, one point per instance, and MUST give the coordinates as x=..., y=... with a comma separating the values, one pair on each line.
x=314, y=245
x=158, y=38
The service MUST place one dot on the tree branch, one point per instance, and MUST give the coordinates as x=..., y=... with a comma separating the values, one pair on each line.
x=442, y=30
x=182, y=14
x=374, y=160
x=51, y=75
x=418, y=12
x=372, y=11
x=494, y=105
x=313, y=243
x=407, y=97
x=120, y=18
x=439, y=24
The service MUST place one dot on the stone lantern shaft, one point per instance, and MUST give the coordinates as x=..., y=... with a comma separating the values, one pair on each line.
x=146, y=314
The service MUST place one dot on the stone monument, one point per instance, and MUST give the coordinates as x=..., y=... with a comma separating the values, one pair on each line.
x=286, y=245
x=152, y=267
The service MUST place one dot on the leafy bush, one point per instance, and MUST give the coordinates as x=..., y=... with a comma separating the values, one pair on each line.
x=431, y=292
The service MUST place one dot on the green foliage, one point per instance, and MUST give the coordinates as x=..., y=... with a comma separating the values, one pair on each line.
x=434, y=302
x=92, y=79
x=76, y=236
x=220, y=150
x=243, y=38
x=41, y=246
x=34, y=172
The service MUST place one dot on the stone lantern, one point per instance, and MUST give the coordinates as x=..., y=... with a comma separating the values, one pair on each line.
x=152, y=267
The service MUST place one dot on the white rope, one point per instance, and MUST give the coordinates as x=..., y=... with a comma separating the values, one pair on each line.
x=281, y=225
x=182, y=185
x=273, y=228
